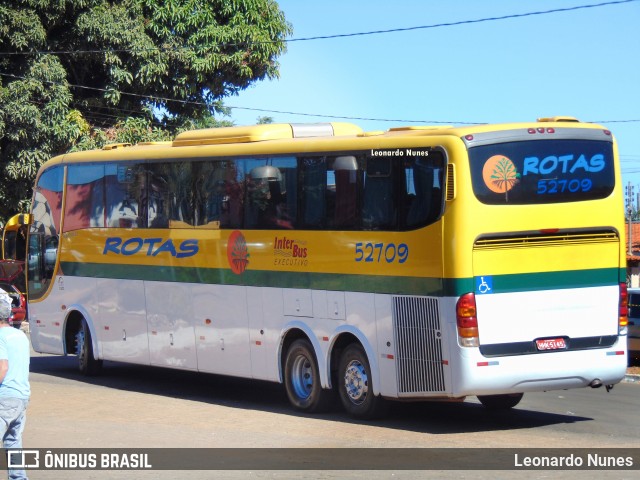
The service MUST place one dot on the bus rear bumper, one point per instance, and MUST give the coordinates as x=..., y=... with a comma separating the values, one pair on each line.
x=479, y=375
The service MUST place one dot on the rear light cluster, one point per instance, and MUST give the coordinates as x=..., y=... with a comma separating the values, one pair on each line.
x=467, y=321
x=467, y=317
x=623, y=309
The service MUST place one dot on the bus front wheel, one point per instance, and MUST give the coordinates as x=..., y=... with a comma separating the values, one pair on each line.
x=500, y=402
x=355, y=386
x=87, y=363
x=302, y=379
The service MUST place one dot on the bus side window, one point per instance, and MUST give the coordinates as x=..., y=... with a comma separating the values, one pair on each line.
x=122, y=194
x=178, y=197
x=314, y=191
x=347, y=183
x=379, y=202
x=161, y=200
x=166, y=193
x=422, y=201
x=424, y=179
x=219, y=187
x=210, y=191
x=84, y=204
x=271, y=193
x=265, y=194
x=233, y=194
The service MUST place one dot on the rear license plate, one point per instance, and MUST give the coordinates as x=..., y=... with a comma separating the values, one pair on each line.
x=551, y=344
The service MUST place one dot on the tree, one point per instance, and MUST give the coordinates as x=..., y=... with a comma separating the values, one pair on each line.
x=69, y=66
x=36, y=122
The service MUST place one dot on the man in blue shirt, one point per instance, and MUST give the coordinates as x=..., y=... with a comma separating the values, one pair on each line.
x=14, y=382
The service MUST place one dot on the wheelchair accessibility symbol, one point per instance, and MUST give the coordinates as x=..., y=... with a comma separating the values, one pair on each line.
x=484, y=285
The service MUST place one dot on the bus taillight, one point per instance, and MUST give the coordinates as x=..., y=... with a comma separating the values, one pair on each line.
x=467, y=320
x=623, y=309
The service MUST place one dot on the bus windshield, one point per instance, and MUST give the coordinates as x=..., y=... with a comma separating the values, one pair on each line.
x=537, y=172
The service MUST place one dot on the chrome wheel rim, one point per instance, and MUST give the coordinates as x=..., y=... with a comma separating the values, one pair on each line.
x=356, y=382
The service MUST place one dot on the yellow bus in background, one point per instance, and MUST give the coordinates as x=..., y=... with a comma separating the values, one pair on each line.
x=12, y=274
x=14, y=247
x=417, y=263
x=14, y=237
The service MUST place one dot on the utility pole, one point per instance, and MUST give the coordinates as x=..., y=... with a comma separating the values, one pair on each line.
x=629, y=199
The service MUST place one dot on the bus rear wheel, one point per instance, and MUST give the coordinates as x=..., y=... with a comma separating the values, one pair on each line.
x=87, y=364
x=355, y=386
x=302, y=379
x=500, y=402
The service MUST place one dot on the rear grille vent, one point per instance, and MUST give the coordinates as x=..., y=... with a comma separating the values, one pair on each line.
x=546, y=240
x=451, y=182
x=418, y=339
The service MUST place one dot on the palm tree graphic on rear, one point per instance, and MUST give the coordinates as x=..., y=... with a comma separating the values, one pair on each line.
x=505, y=176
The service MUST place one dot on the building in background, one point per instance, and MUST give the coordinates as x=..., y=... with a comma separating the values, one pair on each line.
x=633, y=257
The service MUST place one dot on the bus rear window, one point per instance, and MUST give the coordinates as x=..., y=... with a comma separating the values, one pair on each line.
x=549, y=171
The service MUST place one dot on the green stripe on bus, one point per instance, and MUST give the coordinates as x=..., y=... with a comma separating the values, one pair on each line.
x=260, y=278
x=349, y=282
x=555, y=280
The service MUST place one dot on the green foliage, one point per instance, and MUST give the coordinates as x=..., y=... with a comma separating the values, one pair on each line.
x=35, y=124
x=77, y=74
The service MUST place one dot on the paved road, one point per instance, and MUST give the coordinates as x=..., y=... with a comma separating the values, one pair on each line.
x=144, y=407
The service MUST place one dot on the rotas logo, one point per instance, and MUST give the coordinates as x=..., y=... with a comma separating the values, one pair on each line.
x=150, y=247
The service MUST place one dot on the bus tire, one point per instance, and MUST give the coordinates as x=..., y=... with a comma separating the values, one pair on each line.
x=500, y=402
x=302, y=379
x=87, y=364
x=355, y=386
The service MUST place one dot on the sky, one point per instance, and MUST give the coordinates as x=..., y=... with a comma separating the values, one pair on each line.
x=582, y=63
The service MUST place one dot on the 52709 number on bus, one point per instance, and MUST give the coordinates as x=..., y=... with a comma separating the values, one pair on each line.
x=561, y=186
x=381, y=252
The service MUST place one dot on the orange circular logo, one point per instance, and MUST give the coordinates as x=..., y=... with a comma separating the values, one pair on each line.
x=500, y=174
x=237, y=252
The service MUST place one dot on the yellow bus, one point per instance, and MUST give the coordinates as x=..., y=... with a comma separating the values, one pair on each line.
x=14, y=245
x=14, y=237
x=414, y=264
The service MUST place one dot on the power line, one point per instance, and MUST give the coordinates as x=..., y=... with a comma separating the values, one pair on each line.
x=146, y=97
x=344, y=117
x=191, y=102
x=100, y=117
x=461, y=22
x=616, y=121
x=264, y=110
x=334, y=36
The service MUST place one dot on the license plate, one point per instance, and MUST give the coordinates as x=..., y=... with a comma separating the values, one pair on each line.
x=551, y=344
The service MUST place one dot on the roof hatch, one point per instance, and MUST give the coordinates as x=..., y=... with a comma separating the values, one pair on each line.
x=558, y=119
x=261, y=133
